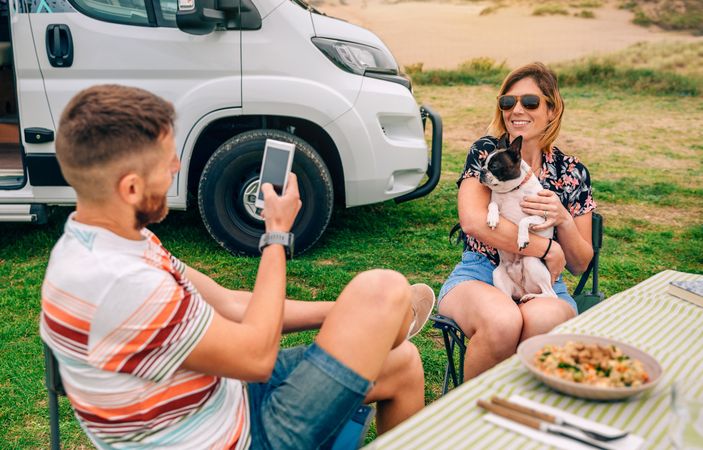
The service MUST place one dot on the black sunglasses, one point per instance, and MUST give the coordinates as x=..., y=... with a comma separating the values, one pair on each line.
x=528, y=101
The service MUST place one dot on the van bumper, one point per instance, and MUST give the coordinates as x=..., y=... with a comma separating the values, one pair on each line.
x=434, y=168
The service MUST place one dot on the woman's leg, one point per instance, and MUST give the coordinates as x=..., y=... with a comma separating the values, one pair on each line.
x=489, y=317
x=540, y=315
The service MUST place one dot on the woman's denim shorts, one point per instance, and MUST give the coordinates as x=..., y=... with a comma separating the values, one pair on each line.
x=475, y=266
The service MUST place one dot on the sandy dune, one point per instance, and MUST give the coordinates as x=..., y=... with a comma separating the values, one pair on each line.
x=442, y=35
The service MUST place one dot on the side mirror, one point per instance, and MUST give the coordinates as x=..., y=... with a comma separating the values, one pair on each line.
x=198, y=17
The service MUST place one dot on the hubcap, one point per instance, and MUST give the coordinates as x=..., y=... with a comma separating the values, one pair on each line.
x=249, y=199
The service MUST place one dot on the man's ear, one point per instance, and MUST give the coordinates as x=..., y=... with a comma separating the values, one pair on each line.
x=130, y=188
x=515, y=147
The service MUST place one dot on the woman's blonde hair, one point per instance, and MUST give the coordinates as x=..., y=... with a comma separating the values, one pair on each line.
x=546, y=79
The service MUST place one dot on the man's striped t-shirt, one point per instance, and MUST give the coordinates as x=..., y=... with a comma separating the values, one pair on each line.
x=121, y=318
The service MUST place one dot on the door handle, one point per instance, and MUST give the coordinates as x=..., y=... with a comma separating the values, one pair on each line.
x=59, y=45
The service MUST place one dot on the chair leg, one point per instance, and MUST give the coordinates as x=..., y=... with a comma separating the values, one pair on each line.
x=54, y=421
x=451, y=368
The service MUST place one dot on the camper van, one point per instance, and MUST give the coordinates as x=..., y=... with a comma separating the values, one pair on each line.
x=238, y=72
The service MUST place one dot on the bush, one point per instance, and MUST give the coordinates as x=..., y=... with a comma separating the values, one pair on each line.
x=646, y=81
x=412, y=69
x=481, y=70
x=601, y=73
x=550, y=10
x=585, y=14
x=587, y=4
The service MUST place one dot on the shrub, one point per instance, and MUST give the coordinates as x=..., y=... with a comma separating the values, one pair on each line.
x=587, y=4
x=412, y=69
x=585, y=14
x=550, y=10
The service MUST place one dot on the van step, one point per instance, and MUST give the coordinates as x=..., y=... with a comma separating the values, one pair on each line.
x=23, y=213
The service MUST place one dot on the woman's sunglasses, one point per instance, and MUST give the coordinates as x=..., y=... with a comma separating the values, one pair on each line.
x=528, y=101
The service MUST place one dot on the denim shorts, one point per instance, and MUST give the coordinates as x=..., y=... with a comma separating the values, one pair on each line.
x=307, y=401
x=475, y=266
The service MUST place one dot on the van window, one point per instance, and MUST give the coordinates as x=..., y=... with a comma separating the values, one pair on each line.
x=166, y=12
x=129, y=12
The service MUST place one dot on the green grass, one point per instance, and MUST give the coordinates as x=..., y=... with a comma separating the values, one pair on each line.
x=644, y=153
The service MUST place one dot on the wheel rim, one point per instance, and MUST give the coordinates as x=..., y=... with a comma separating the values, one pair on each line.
x=248, y=198
x=238, y=205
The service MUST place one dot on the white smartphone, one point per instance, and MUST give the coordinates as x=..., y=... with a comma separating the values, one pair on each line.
x=278, y=160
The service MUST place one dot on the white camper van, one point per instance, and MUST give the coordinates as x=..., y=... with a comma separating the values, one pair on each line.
x=238, y=72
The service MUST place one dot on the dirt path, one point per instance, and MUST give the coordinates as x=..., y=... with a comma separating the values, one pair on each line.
x=443, y=35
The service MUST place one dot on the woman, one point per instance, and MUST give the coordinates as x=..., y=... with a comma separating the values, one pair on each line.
x=529, y=105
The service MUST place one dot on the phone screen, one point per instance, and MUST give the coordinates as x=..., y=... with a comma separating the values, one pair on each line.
x=274, y=170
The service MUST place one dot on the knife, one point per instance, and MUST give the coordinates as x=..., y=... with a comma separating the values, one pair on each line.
x=557, y=420
x=533, y=422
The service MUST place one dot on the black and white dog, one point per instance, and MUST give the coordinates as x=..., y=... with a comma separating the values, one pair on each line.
x=510, y=179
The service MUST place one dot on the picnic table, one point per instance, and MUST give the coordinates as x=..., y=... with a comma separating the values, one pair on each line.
x=646, y=316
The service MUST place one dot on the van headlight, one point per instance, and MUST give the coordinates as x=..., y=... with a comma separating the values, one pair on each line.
x=357, y=58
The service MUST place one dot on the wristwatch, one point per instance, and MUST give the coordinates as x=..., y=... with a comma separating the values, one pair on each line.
x=278, y=237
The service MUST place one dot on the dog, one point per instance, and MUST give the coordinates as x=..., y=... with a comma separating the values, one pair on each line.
x=510, y=179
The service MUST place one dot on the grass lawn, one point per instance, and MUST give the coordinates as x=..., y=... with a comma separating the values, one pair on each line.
x=644, y=153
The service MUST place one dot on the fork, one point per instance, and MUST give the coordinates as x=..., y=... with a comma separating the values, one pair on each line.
x=557, y=420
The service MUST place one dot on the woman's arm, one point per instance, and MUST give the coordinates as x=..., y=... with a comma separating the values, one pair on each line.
x=575, y=233
x=473, y=203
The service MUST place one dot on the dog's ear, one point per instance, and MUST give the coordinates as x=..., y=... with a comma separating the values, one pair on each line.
x=515, y=147
x=504, y=141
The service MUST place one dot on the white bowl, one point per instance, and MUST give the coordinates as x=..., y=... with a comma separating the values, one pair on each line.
x=527, y=350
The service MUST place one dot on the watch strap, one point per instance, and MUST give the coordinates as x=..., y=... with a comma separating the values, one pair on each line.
x=277, y=237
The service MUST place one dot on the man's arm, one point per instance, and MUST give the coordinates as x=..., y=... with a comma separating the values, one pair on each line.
x=248, y=350
x=231, y=304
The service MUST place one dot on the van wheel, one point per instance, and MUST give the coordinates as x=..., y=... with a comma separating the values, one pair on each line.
x=228, y=185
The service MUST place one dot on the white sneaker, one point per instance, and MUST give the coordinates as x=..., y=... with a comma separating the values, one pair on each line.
x=422, y=303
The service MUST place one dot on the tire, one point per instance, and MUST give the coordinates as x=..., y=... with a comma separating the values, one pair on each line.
x=230, y=177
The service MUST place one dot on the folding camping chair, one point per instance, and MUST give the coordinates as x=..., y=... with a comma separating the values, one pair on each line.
x=455, y=339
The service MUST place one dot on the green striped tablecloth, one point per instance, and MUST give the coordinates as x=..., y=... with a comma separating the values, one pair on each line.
x=645, y=315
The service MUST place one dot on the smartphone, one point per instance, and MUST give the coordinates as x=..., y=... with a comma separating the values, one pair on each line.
x=278, y=160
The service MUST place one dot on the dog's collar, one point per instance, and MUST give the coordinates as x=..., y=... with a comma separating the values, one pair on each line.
x=524, y=180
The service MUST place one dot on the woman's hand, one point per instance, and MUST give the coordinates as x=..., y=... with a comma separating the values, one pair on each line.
x=545, y=204
x=555, y=261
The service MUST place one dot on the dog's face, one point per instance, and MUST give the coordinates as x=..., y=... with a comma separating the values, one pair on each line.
x=503, y=165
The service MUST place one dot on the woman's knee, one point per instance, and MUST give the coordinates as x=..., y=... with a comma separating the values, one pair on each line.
x=501, y=330
x=541, y=315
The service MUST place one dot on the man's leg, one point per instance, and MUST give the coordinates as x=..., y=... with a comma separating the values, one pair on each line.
x=366, y=332
x=400, y=388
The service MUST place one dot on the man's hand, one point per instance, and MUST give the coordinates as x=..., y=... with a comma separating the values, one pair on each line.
x=555, y=261
x=280, y=211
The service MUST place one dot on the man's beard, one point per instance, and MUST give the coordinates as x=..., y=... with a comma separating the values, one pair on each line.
x=152, y=209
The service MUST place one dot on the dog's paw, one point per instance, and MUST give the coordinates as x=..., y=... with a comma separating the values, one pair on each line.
x=523, y=239
x=492, y=219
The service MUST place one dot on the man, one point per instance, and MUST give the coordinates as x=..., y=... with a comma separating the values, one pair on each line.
x=155, y=354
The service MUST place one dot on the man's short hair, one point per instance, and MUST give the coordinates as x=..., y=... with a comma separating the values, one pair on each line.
x=108, y=131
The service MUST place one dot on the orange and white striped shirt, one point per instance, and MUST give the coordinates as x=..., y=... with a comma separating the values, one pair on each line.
x=121, y=318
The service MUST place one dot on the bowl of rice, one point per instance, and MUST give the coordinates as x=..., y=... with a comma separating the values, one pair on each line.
x=589, y=366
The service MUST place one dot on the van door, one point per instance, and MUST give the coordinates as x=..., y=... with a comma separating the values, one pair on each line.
x=80, y=43
x=12, y=60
